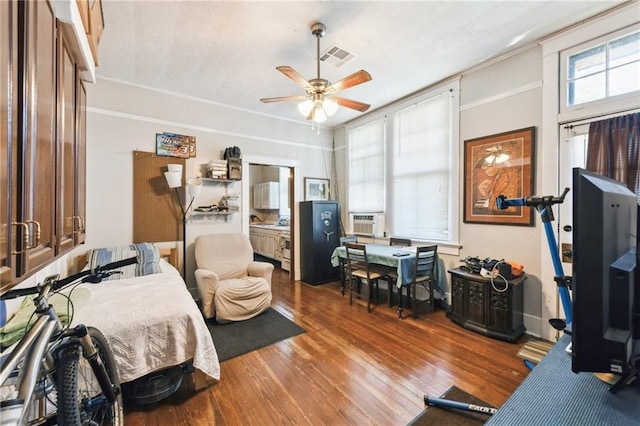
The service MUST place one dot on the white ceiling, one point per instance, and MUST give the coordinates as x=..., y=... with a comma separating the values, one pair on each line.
x=227, y=51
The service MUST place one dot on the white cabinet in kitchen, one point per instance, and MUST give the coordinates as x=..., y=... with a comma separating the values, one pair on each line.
x=266, y=195
x=266, y=242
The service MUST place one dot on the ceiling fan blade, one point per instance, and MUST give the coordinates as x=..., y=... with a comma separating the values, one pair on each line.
x=349, y=103
x=293, y=75
x=284, y=98
x=353, y=80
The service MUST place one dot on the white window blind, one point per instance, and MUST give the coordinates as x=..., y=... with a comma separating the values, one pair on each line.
x=366, y=167
x=420, y=170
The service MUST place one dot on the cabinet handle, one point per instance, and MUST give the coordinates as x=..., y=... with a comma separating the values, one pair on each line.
x=84, y=224
x=37, y=239
x=80, y=221
x=27, y=237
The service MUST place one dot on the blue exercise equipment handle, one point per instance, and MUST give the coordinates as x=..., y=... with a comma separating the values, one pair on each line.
x=543, y=205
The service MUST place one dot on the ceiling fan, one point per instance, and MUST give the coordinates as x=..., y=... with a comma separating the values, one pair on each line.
x=320, y=102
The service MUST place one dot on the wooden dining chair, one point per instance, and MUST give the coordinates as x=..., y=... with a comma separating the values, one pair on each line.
x=343, y=262
x=405, y=242
x=392, y=276
x=423, y=274
x=359, y=270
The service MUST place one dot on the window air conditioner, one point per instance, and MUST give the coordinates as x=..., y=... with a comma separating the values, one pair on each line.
x=367, y=223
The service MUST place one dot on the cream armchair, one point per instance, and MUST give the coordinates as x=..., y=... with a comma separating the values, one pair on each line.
x=231, y=285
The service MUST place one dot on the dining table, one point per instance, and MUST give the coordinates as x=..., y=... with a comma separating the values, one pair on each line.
x=401, y=258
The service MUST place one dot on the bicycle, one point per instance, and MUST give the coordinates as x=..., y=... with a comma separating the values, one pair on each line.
x=57, y=374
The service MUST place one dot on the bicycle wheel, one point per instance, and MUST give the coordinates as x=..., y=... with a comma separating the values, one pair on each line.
x=80, y=399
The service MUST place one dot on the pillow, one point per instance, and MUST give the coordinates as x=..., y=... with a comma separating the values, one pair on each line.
x=147, y=254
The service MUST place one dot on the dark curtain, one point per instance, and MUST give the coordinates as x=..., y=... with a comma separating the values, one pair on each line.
x=614, y=149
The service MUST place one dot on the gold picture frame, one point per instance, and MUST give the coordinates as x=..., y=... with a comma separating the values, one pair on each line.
x=500, y=164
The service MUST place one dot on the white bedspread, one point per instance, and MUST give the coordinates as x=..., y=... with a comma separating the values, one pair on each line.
x=151, y=322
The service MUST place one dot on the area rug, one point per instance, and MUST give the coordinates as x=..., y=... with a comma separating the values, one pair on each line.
x=451, y=416
x=237, y=338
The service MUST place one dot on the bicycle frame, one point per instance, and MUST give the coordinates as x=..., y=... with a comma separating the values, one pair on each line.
x=37, y=350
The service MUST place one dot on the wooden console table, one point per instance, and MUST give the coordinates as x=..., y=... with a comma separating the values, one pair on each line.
x=476, y=306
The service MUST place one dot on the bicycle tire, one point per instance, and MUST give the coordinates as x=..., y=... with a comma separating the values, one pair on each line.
x=77, y=384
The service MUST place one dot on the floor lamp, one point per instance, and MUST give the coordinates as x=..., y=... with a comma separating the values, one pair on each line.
x=192, y=190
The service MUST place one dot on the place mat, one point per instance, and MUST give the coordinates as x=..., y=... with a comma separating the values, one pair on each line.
x=451, y=416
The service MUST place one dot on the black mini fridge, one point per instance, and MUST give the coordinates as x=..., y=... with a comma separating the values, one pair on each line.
x=319, y=236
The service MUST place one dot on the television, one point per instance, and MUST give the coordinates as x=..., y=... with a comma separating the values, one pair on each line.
x=606, y=321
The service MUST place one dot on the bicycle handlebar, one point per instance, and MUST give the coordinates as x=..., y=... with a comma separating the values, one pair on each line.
x=57, y=284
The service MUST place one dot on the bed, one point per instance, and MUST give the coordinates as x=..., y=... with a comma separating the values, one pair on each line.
x=151, y=323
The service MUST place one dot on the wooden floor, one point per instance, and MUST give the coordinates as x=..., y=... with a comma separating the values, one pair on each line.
x=349, y=368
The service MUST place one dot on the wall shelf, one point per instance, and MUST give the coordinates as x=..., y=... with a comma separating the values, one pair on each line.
x=225, y=181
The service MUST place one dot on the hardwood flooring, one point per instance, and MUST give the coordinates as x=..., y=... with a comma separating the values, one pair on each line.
x=349, y=368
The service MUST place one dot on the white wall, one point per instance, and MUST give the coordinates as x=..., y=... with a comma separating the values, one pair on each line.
x=504, y=96
x=122, y=118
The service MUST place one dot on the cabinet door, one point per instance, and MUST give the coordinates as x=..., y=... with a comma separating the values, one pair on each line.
x=476, y=303
x=80, y=163
x=257, y=197
x=66, y=133
x=253, y=238
x=35, y=154
x=8, y=129
x=271, y=195
x=270, y=245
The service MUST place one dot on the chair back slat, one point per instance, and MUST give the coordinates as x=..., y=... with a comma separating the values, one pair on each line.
x=356, y=256
x=425, y=261
x=405, y=242
x=348, y=239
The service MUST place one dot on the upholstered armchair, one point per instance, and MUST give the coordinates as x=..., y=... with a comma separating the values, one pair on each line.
x=231, y=285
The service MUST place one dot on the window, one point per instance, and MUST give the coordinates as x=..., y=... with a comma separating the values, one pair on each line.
x=403, y=165
x=366, y=167
x=420, y=167
x=602, y=69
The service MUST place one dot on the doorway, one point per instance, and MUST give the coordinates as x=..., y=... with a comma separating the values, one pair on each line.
x=261, y=170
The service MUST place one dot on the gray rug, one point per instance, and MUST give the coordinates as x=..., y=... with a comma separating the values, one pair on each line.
x=237, y=338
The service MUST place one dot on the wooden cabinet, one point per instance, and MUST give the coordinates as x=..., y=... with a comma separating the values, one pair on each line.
x=34, y=155
x=8, y=129
x=266, y=196
x=492, y=310
x=42, y=143
x=79, y=220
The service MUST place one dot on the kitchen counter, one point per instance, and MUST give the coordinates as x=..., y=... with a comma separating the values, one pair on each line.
x=269, y=226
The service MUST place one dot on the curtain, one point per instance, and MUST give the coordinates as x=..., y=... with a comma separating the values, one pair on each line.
x=614, y=149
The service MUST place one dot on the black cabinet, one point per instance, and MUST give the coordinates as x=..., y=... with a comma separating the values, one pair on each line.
x=319, y=236
x=478, y=306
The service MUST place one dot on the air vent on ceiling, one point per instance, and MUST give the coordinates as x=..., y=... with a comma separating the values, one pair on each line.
x=337, y=56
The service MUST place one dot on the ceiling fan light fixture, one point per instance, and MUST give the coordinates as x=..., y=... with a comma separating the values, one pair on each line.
x=319, y=116
x=305, y=107
x=330, y=106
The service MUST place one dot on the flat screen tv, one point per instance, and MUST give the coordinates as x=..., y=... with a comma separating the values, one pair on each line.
x=605, y=222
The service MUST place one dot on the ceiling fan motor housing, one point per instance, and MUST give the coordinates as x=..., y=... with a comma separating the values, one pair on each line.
x=318, y=29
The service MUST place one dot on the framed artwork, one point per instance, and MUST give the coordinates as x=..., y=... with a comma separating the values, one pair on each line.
x=175, y=145
x=501, y=164
x=316, y=189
